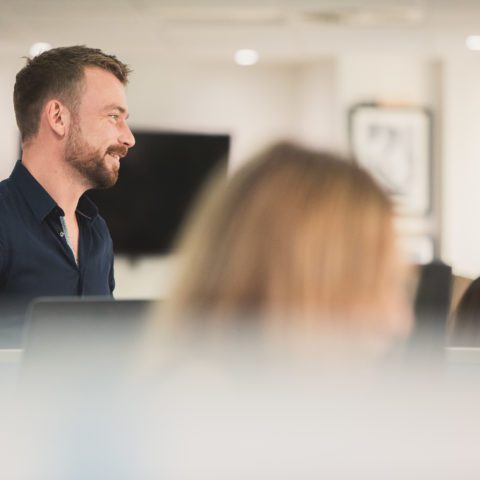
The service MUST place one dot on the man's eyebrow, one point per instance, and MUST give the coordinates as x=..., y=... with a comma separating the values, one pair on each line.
x=117, y=107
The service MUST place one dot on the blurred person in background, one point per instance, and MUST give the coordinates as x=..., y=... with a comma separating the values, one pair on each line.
x=298, y=245
x=466, y=318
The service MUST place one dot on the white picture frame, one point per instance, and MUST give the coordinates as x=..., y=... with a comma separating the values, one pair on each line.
x=394, y=145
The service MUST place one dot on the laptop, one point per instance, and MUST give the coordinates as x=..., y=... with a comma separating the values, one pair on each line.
x=81, y=339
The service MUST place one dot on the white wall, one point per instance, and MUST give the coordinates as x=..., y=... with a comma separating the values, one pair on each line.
x=461, y=142
x=316, y=113
x=9, y=144
x=253, y=105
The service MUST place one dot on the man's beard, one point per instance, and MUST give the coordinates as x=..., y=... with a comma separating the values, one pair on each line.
x=89, y=162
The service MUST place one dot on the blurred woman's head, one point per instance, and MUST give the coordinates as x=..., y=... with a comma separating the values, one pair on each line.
x=295, y=236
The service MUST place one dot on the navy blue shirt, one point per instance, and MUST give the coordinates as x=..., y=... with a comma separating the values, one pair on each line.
x=35, y=259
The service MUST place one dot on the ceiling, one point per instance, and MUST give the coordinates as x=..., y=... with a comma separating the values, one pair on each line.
x=281, y=29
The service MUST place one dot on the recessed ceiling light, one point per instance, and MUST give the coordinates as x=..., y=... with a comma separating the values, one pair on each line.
x=246, y=57
x=473, y=42
x=38, y=48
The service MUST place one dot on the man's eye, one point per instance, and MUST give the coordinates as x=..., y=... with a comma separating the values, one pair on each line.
x=115, y=117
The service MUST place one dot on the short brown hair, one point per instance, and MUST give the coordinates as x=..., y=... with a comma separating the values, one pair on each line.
x=58, y=72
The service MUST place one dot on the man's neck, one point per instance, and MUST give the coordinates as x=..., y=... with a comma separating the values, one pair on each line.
x=56, y=177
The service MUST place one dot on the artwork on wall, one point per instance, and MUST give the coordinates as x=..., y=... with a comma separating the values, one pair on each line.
x=394, y=144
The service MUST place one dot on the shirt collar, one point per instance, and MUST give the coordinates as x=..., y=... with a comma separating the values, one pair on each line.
x=38, y=199
x=87, y=208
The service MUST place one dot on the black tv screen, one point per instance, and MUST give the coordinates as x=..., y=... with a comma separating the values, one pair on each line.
x=159, y=180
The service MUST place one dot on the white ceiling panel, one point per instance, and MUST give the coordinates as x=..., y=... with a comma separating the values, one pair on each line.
x=296, y=29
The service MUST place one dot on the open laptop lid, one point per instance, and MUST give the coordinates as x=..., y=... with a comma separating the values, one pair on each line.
x=80, y=337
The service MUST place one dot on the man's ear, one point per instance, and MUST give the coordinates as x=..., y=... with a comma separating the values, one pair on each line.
x=58, y=117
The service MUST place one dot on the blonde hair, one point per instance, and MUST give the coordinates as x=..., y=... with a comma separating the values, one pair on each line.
x=295, y=232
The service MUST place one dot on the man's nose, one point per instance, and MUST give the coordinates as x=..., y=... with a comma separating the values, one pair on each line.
x=126, y=137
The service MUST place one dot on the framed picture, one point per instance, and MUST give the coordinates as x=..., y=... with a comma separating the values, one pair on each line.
x=394, y=145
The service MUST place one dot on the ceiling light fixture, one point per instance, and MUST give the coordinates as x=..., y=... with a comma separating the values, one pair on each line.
x=246, y=57
x=473, y=42
x=38, y=48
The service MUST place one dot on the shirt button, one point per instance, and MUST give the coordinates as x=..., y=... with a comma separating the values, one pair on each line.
x=62, y=234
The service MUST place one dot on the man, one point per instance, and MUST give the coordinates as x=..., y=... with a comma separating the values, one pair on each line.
x=71, y=110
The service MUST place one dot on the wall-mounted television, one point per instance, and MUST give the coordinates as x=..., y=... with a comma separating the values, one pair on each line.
x=159, y=180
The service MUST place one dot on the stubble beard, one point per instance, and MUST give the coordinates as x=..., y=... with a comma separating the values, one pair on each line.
x=90, y=162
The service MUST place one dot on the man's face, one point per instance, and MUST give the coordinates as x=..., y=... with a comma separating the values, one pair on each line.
x=99, y=135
